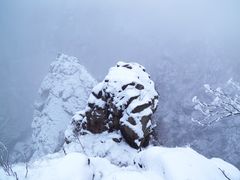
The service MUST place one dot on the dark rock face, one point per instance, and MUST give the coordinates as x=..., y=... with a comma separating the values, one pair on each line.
x=125, y=100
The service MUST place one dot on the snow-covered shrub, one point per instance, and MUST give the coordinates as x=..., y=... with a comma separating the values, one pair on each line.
x=224, y=104
x=125, y=100
x=63, y=92
x=5, y=163
x=217, y=117
x=178, y=83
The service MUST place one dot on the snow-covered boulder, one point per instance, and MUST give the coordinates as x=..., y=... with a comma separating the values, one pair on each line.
x=63, y=92
x=125, y=100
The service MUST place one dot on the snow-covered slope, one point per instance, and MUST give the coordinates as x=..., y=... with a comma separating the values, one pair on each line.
x=99, y=160
x=63, y=92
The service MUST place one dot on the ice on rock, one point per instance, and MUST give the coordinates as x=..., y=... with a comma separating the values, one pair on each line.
x=63, y=92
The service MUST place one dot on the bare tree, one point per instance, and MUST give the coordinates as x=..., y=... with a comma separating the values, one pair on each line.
x=225, y=103
x=4, y=161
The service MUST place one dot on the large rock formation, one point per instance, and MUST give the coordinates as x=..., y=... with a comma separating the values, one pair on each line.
x=63, y=92
x=125, y=100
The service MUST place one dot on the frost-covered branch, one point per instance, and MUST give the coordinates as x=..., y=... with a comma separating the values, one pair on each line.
x=224, y=104
x=4, y=161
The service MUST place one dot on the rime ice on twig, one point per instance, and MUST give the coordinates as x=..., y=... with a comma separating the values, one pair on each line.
x=224, y=104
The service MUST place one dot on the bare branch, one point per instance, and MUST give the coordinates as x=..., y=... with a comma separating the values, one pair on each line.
x=26, y=165
x=83, y=149
x=223, y=104
x=5, y=163
x=223, y=172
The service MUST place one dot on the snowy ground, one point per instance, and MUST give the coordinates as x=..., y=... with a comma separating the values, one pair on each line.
x=103, y=158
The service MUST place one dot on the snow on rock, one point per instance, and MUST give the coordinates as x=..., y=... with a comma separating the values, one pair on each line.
x=63, y=92
x=125, y=100
x=105, y=145
x=155, y=163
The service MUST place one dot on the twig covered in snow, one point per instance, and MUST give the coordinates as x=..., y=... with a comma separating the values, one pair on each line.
x=4, y=161
x=224, y=174
x=83, y=149
x=223, y=104
x=26, y=165
x=64, y=151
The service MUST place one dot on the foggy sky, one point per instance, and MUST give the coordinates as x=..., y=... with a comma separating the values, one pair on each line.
x=101, y=32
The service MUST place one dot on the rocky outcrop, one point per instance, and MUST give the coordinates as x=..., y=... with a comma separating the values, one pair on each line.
x=63, y=92
x=125, y=100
